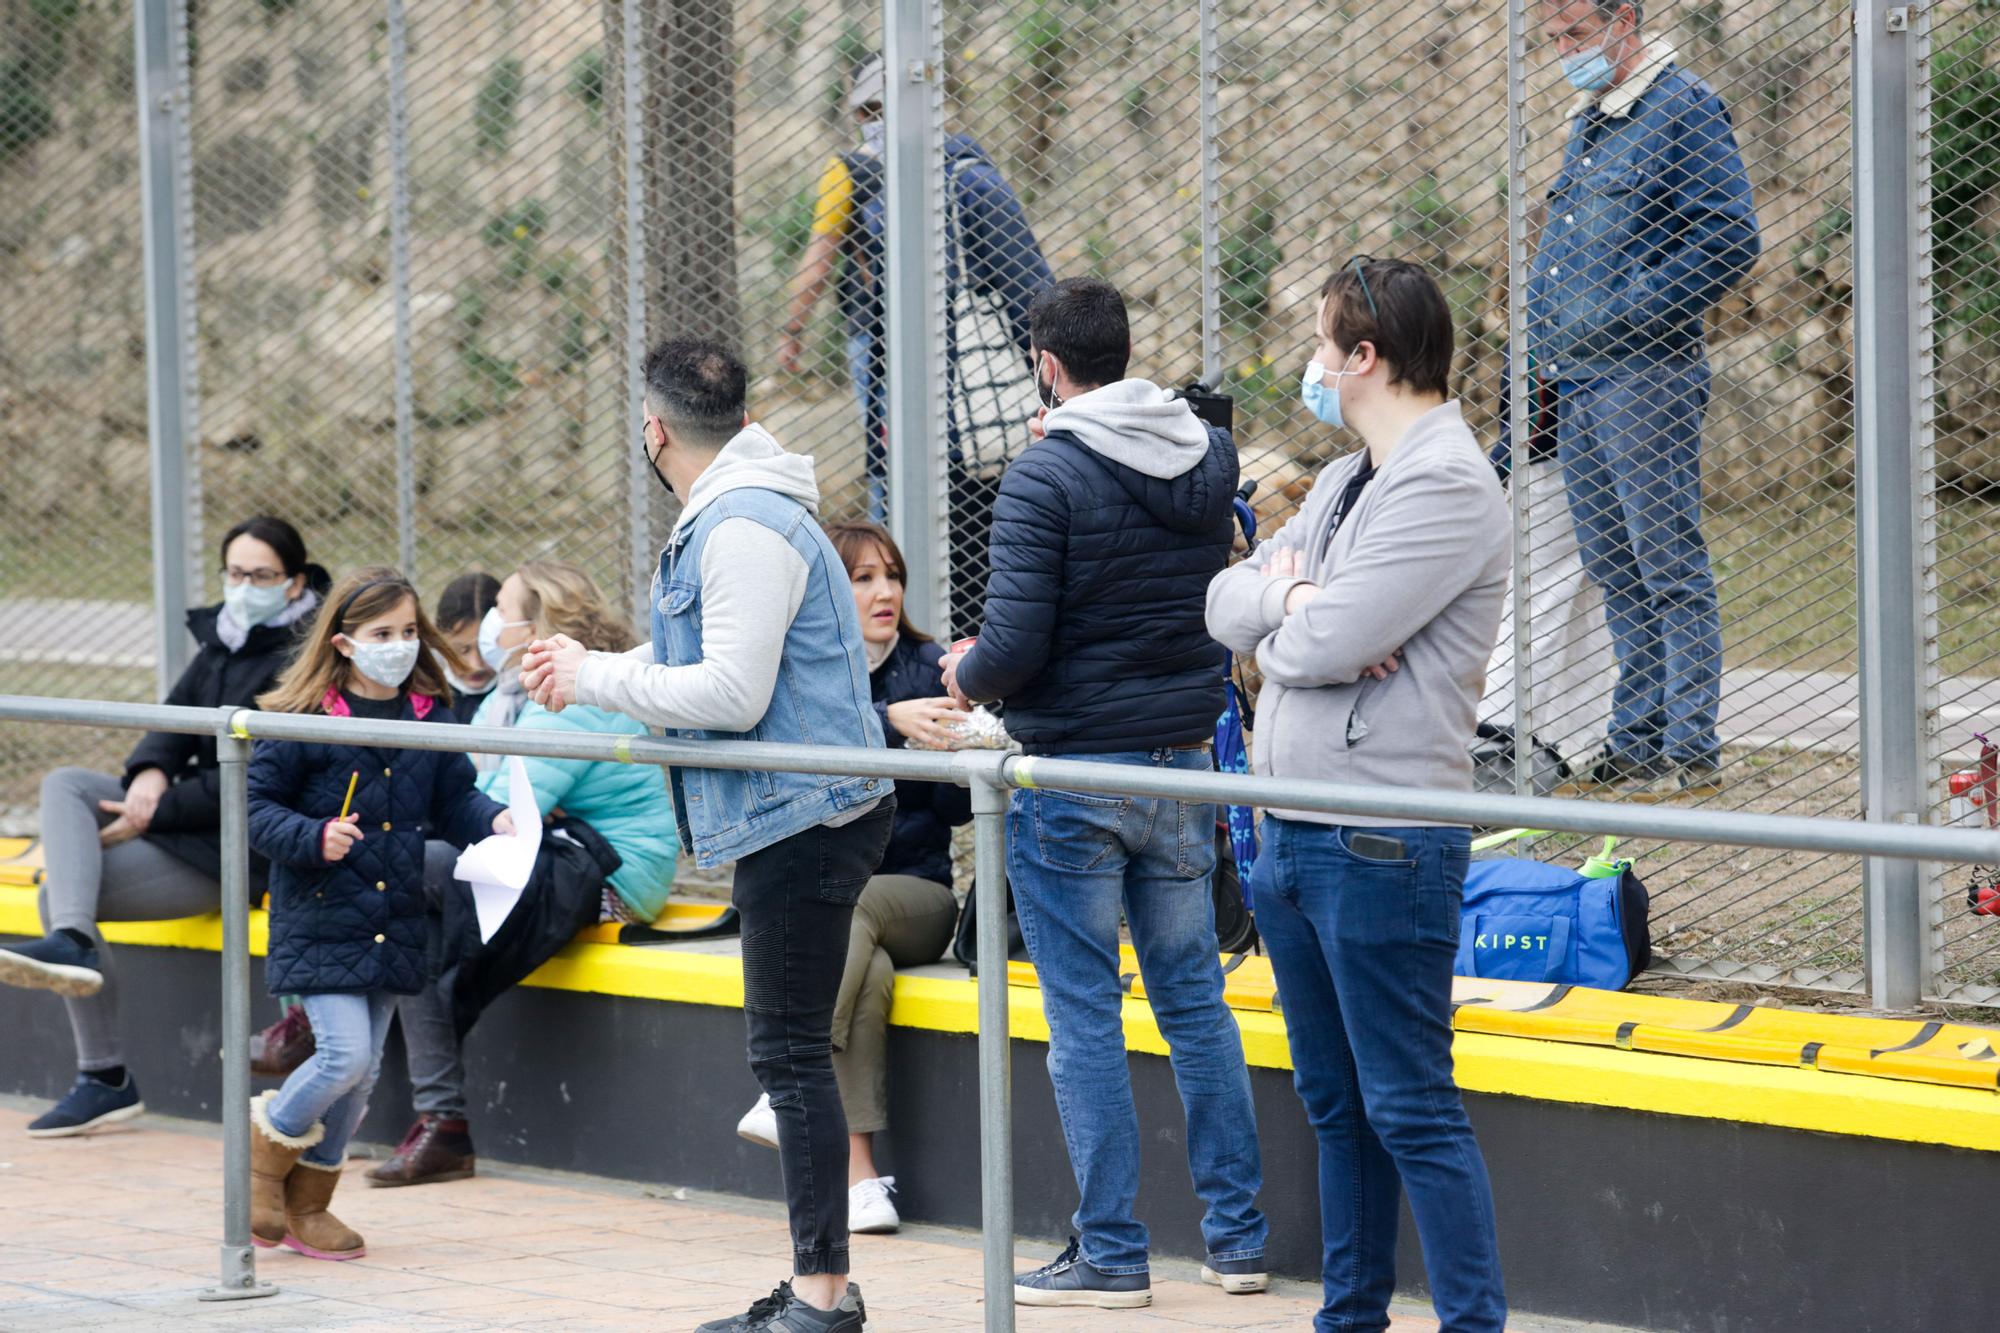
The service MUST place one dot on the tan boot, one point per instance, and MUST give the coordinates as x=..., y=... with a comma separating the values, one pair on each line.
x=272, y=1157
x=309, y=1227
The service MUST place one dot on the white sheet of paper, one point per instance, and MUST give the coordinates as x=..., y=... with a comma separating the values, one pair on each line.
x=498, y=867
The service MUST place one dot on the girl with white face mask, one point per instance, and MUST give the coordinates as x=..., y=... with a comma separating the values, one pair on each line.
x=344, y=826
x=147, y=846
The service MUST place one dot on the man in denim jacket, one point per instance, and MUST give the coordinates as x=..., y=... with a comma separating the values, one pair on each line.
x=1649, y=223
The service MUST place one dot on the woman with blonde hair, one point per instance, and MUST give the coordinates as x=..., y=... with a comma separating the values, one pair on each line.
x=629, y=804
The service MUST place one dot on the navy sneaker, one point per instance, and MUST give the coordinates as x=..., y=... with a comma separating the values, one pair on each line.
x=1238, y=1277
x=55, y=962
x=89, y=1105
x=783, y=1312
x=1074, y=1280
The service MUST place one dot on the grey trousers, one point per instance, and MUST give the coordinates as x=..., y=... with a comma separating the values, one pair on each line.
x=437, y=1062
x=900, y=921
x=84, y=883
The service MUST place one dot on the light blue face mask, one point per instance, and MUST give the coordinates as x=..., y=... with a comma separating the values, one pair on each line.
x=1321, y=398
x=387, y=664
x=252, y=605
x=1589, y=71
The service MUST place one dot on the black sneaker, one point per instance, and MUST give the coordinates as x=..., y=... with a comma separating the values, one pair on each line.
x=1238, y=1277
x=89, y=1105
x=1074, y=1280
x=55, y=962
x=1686, y=780
x=783, y=1312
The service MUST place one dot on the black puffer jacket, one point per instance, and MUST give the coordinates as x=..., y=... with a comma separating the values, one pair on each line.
x=926, y=812
x=1094, y=635
x=189, y=818
x=357, y=924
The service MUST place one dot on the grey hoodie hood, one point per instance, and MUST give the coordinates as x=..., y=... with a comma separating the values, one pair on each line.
x=752, y=460
x=1138, y=424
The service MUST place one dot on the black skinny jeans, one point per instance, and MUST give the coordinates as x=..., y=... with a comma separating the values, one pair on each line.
x=797, y=900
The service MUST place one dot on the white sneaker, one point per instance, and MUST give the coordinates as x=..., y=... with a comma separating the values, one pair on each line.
x=760, y=1123
x=869, y=1212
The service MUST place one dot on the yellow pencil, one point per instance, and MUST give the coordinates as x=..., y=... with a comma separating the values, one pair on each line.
x=350, y=794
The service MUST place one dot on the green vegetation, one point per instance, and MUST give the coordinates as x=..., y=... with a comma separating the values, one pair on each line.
x=515, y=233
x=1249, y=259
x=586, y=82
x=1965, y=172
x=497, y=105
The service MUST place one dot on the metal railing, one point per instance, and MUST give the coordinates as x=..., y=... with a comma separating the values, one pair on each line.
x=989, y=775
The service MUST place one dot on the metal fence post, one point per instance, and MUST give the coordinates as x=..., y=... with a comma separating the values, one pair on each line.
x=1211, y=195
x=1887, y=519
x=640, y=481
x=1516, y=407
x=399, y=277
x=160, y=40
x=996, y=1108
x=239, y=1259
x=913, y=107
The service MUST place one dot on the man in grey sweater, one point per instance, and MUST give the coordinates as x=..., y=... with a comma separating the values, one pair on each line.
x=1371, y=615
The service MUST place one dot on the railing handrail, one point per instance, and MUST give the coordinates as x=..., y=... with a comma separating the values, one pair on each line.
x=1809, y=833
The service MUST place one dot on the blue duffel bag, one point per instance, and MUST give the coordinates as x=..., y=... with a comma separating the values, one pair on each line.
x=1535, y=921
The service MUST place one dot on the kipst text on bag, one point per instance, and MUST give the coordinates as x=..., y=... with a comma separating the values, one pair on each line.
x=1529, y=920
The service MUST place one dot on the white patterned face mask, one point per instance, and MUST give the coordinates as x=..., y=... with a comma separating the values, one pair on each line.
x=387, y=664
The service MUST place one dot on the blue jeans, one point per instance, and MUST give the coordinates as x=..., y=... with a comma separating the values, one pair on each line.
x=1075, y=862
x=871, y=393
x=1362, y=952
x=1630, y=447
x=334, y=1082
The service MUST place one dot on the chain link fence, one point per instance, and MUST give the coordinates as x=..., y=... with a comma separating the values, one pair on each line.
x=430, y=243
x=75, y=569
x=1959, y=84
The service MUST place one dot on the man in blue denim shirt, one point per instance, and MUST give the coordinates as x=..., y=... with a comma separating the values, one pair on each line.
x=1649, y=223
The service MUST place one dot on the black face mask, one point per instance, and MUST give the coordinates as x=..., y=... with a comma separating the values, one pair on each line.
x=646, y=452
x=1045, y=393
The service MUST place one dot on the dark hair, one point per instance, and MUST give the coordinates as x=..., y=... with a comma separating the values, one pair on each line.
x=466, y=598
x=852, y=541
x=275, y=533
x=1081, y=322
x=1399, y=307
x=698, y=388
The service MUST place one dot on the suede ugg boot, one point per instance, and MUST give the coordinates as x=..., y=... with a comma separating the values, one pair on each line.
x=309, y=1227
x=273, y=1154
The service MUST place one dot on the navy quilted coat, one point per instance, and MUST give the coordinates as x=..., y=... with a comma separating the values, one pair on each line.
x=1095, y=636
x=357, y=924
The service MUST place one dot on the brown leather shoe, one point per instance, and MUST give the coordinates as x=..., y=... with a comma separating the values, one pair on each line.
x=435, y=1150
x=283, y=1046
x=309, y=1227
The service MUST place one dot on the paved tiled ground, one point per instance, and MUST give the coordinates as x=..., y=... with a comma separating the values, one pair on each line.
x=117, y=1231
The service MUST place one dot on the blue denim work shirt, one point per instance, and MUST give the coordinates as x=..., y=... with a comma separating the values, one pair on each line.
x=1650, y=222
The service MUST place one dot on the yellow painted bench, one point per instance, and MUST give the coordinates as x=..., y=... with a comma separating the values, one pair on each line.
x=1904, y=1079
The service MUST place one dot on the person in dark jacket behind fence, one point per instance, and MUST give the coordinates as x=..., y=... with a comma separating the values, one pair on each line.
x=1105, y=536
x=344, y=827
x=147, y=846
x=905, y=915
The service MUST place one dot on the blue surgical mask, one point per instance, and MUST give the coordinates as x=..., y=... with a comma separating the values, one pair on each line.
x=1589, y=71
x=490, y=628
x=873, y=135
x=387, y=664
x=251, y=605
x=1321, y=398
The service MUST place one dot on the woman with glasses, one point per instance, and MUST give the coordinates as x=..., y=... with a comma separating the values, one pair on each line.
x=146, y=845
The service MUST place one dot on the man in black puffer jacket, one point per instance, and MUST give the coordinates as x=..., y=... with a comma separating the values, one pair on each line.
x=1106, y=533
